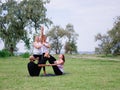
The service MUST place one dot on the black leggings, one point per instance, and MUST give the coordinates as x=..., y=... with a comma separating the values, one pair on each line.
x=40, y=58
x=33, y=69
x=51, y=60
x=56, y=70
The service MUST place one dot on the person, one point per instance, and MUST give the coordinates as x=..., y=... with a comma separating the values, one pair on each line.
x=46, y=56
x=44, y=46
x=57, y=65
x=36, y=49
x=37, y=54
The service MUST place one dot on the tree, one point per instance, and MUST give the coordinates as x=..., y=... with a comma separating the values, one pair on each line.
x=7, y=25
x=104, y=46
x=18, y=17
x=35, y=12
x=110, y=43
x=56, y=35
x=70, y=45
x=115, y=37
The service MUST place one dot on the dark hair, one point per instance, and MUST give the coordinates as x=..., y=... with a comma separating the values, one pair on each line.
x=63, y=58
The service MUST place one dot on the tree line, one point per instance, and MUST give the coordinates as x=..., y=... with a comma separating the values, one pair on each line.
x=109, y=43
x=19, y=20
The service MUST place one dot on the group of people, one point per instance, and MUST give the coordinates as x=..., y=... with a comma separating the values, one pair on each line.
x=41, y=54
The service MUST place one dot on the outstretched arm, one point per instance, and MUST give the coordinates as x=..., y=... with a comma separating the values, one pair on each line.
x=42, y=33
x=56, y=63
x=42, y=65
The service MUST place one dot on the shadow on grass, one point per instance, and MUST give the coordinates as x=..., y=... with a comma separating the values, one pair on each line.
x=52, y=75
x=48, y=75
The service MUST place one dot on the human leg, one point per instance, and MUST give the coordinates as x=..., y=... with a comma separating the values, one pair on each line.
x=44, y=70
x=34, y=57
x=42, y=60
x=56, y=70
x=33, y=69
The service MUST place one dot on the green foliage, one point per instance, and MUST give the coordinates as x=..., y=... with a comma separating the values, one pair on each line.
x=56, y=35
x=104, y=46
x=110, y=42
x=5, y=53
x=18, y=17
x=70, y=32
x=25, y=55
x=70, y=45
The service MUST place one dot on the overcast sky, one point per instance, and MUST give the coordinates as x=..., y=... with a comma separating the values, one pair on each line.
x=88, y=17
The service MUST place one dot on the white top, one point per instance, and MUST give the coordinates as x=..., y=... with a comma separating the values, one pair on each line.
x=60, y=66
x=44, y=48
x=37, y=51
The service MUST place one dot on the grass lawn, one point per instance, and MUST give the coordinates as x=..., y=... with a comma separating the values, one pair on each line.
x=80, y=74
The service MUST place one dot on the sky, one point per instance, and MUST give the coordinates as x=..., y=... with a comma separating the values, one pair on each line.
x=89, y=17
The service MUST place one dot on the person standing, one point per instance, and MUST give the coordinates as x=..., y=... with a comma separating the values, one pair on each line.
x=56, y=65
x=45, y=46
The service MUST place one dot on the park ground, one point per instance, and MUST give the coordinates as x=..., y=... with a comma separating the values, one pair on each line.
x=82, y=72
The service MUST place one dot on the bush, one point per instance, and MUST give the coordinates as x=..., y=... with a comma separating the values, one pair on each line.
x=25, y=55
x=5, y=53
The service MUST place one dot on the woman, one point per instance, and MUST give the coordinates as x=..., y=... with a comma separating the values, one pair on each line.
x=37, y=53
x=45, y=46
x=57, y=65
x=33, y=68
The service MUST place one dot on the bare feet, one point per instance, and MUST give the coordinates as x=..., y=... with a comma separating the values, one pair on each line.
x=47, y=55
x=31, y=58
x=45, y=73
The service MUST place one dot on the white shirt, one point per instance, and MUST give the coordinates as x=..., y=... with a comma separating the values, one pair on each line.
x=60, y=66
x=44, y=48
x=37, y=51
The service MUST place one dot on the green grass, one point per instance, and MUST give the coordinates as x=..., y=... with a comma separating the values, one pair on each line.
x=81, y=74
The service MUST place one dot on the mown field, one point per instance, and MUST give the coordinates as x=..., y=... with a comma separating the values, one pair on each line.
x=82, y=72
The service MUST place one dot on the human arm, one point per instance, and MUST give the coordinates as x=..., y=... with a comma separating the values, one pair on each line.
x=42, y=33
x=58, y=62
x=36, y=45
x=42, y=65
x=46, y=45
